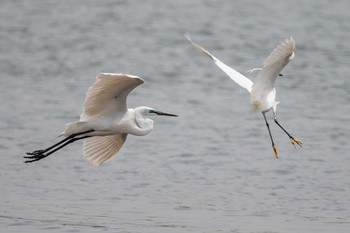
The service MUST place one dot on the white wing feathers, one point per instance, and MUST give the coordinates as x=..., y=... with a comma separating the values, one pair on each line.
x=108, y=94
x=274, y=64
x=282, y=54
x=101, y=149
x=233, y=74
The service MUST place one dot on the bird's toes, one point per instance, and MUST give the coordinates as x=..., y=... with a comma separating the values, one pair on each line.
x=33, y=158
x=35, y=155
x=29, y=161
x=297, y=142
x=275, y=150
x=36, y=152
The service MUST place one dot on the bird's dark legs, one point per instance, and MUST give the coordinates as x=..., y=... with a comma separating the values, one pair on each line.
x=292, y=140
x=49, y=148
x=273, y=144
x=40, y=154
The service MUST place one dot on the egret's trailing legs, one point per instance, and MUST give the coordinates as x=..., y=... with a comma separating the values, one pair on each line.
x=292, y=139
x=273, y=143
x=40, y=154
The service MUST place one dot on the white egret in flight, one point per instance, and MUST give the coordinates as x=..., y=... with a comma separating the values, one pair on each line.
x=262, y=91
x=106, y=121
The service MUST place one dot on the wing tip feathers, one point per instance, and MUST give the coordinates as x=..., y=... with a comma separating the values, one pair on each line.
x=200, y=48
x=291, y=40
x=118, y=75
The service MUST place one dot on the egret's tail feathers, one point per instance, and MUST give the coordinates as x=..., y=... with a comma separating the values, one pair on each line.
x=101, y=149
x=75, y=127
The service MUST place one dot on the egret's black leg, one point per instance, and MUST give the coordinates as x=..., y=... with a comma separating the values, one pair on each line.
x=273, y=144
x=292, y=140
x=44, y=155
x=49, y=148
x=40, y=154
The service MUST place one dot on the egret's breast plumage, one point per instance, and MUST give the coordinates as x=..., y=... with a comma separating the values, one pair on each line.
x=256, y=105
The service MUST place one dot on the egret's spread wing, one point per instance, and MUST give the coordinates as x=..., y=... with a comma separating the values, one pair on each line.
x=234, y=75
x=274, y=63
x=282, y=54
x=108, y=94
x=101, y=149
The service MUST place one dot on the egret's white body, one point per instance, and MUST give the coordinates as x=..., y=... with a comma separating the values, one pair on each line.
x=262, y=91
x=105, y=121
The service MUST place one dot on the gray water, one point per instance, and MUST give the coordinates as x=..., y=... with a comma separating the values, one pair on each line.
x=210, y=170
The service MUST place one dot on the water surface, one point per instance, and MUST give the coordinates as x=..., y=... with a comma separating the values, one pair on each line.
x=210, y=170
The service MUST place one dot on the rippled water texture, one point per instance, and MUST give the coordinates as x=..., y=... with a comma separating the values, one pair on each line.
x=210, y=170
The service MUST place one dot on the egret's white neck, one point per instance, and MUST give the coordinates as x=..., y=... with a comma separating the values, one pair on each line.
x=143, y=125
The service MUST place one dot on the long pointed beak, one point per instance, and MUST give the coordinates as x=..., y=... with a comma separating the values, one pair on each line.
x=165, y=114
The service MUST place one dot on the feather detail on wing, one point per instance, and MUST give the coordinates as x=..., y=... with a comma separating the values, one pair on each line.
x=108, y=94
x=101, y=149
x=233, y=74
x=274, y=64
x=282, y=54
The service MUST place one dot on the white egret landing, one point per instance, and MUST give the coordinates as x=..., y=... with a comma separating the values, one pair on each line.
x=262, y=91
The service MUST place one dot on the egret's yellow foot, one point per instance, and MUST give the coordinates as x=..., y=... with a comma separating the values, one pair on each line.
x=275, y=150
x=294, y=141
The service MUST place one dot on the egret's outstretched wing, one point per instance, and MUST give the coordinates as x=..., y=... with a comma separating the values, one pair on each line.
x=274, y=64
x=282, y=54
x=108, y=94
x=101, y=149
x=234, y=75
